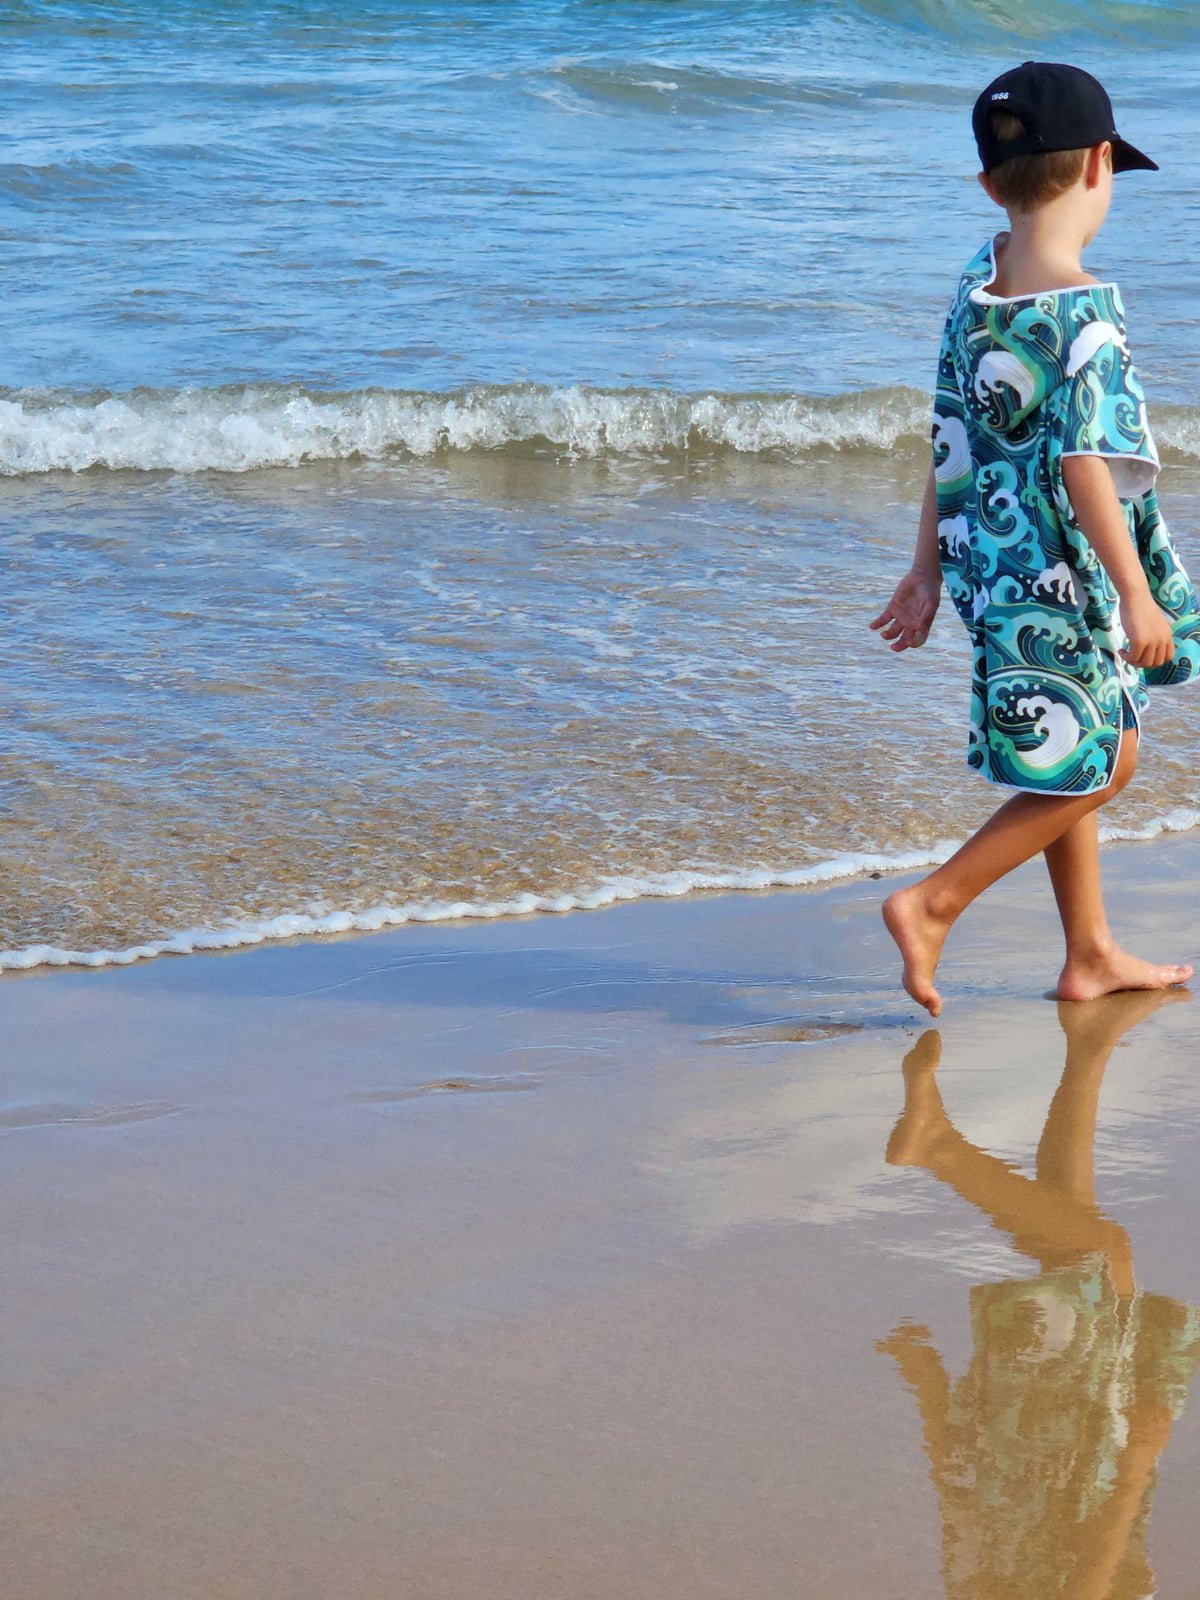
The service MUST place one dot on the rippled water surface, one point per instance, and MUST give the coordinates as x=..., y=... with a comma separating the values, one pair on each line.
x=449, y=453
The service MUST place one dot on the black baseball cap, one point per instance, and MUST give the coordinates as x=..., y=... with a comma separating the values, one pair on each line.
x=1063, y=108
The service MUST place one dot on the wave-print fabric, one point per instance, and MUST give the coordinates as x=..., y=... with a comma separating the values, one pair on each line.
x=1022, y=384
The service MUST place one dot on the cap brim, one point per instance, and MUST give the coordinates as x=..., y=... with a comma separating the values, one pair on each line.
x=1127, y=158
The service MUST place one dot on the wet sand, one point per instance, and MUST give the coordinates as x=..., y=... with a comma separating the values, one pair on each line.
x=562, y=1258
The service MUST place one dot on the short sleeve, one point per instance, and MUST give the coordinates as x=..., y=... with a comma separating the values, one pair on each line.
x=1104, y=409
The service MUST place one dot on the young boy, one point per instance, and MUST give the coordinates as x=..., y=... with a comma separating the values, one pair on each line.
x=1040, y=513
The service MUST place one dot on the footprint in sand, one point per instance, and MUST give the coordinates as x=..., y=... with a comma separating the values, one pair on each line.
x=496, y=1085
x=786, y=1033
x=47, y=1116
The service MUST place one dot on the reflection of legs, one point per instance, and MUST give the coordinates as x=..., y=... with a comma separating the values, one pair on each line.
x=1095, y=963
x=1045, y=1221
x=1051, y=1218
x=1065, y=1157
x=924, y=1116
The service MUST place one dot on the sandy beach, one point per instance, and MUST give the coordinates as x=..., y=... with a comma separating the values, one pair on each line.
x=463, y=1136
x=555, y=1257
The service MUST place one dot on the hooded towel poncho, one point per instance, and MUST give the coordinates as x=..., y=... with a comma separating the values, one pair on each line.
x=1023, y=382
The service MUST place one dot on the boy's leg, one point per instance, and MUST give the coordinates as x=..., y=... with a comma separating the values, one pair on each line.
x=919, y=918
x=1066, y=1150
x=1045, y=1221
x=1095, y=963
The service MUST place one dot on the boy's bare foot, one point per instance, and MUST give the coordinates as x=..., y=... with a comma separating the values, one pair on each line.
x=1096, y=1025
x=1111, y=970
x=924, y=1116
x=920, y=937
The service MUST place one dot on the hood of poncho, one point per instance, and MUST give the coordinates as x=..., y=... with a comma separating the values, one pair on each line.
x=1012, y=354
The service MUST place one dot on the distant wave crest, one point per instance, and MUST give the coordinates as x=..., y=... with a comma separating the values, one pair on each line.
x=1135, y=22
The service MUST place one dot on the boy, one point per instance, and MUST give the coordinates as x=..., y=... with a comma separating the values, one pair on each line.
x=1040, y=513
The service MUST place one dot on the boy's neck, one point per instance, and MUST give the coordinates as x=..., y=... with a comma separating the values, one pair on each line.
x=1042, y=251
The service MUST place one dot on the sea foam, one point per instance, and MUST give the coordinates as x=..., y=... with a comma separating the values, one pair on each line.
x=608, y=892
x=239, y=429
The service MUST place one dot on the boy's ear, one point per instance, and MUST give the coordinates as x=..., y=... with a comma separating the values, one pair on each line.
x=1099, y=161
x=989, y=189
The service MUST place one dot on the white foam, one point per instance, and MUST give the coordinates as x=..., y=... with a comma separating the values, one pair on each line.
x=240, y=429
x=611, y=891
x=1182, y=820
x=1177, y=428
x=295, y=925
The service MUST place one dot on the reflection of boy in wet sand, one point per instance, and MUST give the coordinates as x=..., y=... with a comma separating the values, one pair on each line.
x=1044, y=1453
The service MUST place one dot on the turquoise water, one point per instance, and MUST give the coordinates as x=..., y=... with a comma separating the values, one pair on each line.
x=335, y=331
x=739, y=196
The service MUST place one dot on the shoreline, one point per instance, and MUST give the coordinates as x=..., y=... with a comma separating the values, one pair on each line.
x=544, y=1255
x=290, y=927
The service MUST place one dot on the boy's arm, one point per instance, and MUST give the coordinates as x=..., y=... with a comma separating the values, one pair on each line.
x=908, y=615
x=1097, y=508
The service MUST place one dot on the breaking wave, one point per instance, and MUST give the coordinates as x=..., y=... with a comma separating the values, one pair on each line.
x=237, y=429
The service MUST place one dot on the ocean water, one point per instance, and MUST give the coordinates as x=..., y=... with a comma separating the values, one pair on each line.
x=449, y=453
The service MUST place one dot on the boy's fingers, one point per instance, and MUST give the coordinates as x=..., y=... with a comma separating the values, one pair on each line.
x=910, y=639
x=901, y=635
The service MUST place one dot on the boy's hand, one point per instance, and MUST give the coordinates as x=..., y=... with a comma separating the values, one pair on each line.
x=908, y=616
x=1148, y=629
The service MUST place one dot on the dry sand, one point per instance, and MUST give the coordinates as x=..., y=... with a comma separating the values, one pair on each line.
x=550, y=1259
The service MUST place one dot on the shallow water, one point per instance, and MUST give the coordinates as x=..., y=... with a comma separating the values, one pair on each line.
x=449, y=455
x=357, y=694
